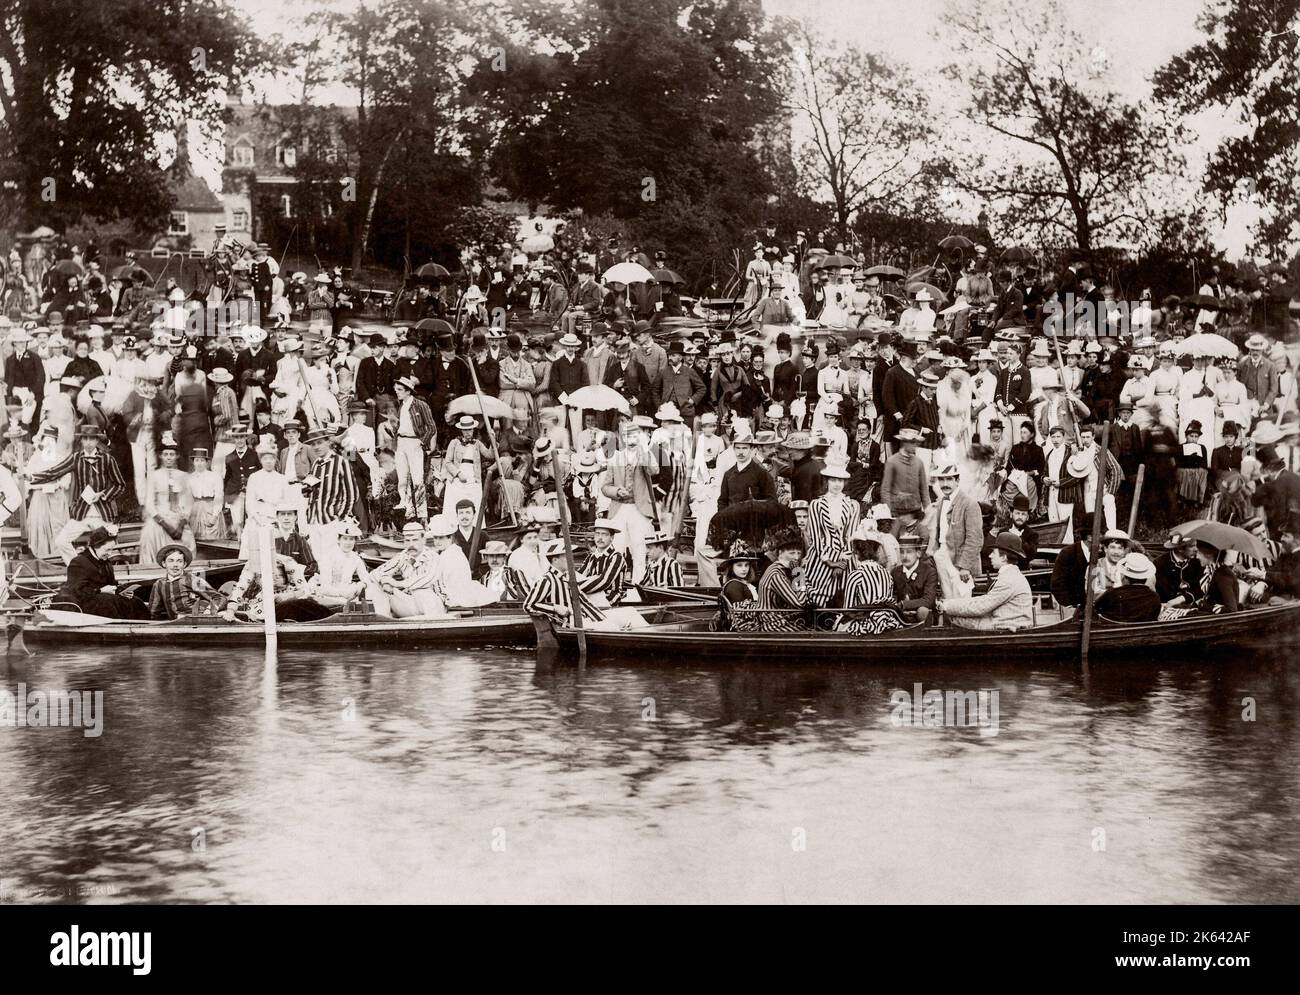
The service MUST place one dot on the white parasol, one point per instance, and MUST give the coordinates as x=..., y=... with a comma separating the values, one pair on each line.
x=598, y=397
x=1208, y=344
x=628, y=273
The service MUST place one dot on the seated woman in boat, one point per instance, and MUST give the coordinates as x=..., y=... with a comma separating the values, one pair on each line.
x=1135, y=600
x=1219, y=591
x=495, y=578
x=293, y=602
x=783, y=601
x=869, y=586
x=1008, y=605
x=175, y=594
x=401, y=588
x=451, y=580
x=1107, y=572
x=343, y=576
x=661, y=566
x=526, y=565
x=738, y=592
x=90, y=585
x=550, y=598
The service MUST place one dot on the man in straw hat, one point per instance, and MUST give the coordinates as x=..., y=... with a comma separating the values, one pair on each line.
x=955, y=527
x=1008, y=605
x=629, y=485
x=330, y=488
x=1135, y=599
x=905, y=486
x=415, y=431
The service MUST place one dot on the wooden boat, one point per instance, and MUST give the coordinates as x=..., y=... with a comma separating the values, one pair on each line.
x=36, y=578
x=684, y=637
x=494, y=625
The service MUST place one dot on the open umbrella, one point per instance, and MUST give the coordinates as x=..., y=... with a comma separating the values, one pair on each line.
x=1208, y=344
x=916, y=286
x=598, y=397
x=434, y=270
x=835, y=261
x=748, y=520
x=955, y=242
x=128, y=270
x=68, y=267
x=1206, y=302
x=1225, y=537
x=472, y=404
x=892, y=272
x=627, y=273
x=667, y=276
x=1017, y=254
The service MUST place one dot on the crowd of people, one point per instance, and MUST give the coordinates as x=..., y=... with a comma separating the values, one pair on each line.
x=915, y=458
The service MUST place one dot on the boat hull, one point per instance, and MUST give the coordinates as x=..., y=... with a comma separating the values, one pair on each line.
x=689, y=641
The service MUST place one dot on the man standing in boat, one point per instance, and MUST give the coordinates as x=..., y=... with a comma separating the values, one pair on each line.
x=330, y=487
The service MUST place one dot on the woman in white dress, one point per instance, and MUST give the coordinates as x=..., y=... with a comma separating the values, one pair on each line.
x=1136, y=389
x=342, y=574
x=1165, y=381
x=1196, y=399
x=207, y=498
x=525, y=565
x=166, y=505
x=758, y=274
x=984, y=390
x=322, y=407
x=462, y=466
x=1231, y=401
x=47, y=513
x=955, y=396
x=288, y=389
x=451, y=580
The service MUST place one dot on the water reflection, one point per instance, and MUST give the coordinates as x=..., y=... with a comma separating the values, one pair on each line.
x=489, y=776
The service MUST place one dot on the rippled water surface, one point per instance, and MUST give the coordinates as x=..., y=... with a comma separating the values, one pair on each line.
x=486, y=776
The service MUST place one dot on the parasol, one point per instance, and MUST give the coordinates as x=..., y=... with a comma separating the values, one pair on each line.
x=1208, y=344
x=1225, y=537
x=432, y=270
x=748, y=520
x=667, y=276
x=939, y=296
x=835, y=261
x=68, y=267
x=1206, y=302
x=956, y=242
x=598, y=397
x=537, y=244
x=1017, y=254
x=472, y=404
x=890, y=272
x=433, y=326
x=127, y=271
x=627, y=273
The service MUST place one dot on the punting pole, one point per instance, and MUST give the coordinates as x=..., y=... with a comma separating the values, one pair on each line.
x=266, y=551
x=492, y=437
x=1137, y=500
x=1098, y=500
x=575, y=596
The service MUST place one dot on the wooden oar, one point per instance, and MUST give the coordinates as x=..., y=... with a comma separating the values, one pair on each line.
x=492, y=437
x=1137, y=500
x=574, y=594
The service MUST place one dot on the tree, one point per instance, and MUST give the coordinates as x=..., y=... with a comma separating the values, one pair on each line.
x=646, y=111
x=86, y=89
x=1063, y=157
x=1248, y=63
x=866, y=124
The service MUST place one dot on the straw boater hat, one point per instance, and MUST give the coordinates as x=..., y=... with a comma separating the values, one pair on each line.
x=928, y=379
x=766, y=438
x=668, y=412
x=658, y=539
x=412, y=529
x=798, y=441
x=1256, y=341
x=606, y=524
x=465, y=422
x=945, y=471
x=569, y=341
x=318, y=435
x=909, y=435
x=291, y=345
x=985, y=355
x=93, y=432
x=221, y=375
x=439, y=525
x=881, y=512
x=1177, y=540
x=924, y=295
x=252, y=335
x=1080, y=465
x=552, y=548
x=174, y=547
x=1116, y=535
x=322, y=278
x=1136, y=566
x=495, y=548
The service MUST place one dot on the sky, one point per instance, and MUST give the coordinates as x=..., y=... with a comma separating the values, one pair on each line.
x=1138, y=36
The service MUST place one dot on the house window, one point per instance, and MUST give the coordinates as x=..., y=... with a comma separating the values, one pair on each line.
x=239, y=221
x=241, y=153
x=286, y=205
x=179, y=224
x=286, y=156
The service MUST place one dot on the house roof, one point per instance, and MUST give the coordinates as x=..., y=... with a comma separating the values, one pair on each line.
x=193, y=194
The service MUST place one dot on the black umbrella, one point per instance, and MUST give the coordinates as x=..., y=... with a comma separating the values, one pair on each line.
x=835, y=261
x=68, y=267
x=1206, y=302
x=434, y=326
x=667, y=276
x=432, y=270
x=956, y=242
x=127, y=271
x=1017, y=254
x=886, y=271
x=748, y=520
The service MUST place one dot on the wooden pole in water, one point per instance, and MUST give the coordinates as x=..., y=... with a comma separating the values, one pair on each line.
x=1089, y=596
x=1137, y=500
x=266, y=549
x=574, y=594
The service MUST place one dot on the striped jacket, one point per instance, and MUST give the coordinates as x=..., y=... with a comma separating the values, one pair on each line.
x=603, y=575
x=335, y=492
x=550, y=598
x=663, y=572
x=422, y=424
x=98, y=472
x=828, y=539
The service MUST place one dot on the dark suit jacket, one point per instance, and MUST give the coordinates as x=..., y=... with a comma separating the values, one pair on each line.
x=635, y=386
x=750, y=484
x=1130, y=603
x=567, y=375
x=920, y=591
x=896, y=397
x=1171, y=580
x=1070, y=576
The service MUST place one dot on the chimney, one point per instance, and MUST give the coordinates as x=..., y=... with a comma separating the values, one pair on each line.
x=181, y=164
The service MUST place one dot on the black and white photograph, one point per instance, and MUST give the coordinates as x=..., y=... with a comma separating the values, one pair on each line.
x=651, y=452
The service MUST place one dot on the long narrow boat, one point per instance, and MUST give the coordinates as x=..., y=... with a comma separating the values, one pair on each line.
x=684, y=637
x=495, y=625
x=30, y=581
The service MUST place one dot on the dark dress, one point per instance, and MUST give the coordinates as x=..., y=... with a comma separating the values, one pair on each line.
x=193, y=426
x=87, y=573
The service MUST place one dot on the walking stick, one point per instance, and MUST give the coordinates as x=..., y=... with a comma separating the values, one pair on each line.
x=1089, y=593
x=574, y=594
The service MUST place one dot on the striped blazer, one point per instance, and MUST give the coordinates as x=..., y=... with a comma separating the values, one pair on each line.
x=828, y=539
x=550, y=598
x=335, y=493
x=604, y=575
x=663, y=572
x=99, y=472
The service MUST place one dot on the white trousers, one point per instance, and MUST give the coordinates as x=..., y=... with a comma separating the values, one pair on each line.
x=410, y=477
x=636, y=528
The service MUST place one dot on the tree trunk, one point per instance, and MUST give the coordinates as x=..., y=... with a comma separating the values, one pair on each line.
x=367, y=216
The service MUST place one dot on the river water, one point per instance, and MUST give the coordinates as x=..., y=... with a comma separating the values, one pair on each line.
x=486, y=776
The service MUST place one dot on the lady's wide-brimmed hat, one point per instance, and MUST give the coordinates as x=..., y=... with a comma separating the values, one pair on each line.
x=784, y=537
x=740, y=550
